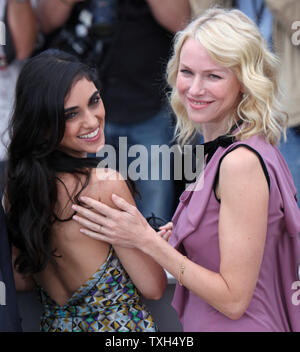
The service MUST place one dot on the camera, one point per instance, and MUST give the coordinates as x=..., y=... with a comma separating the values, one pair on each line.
x=89, y=31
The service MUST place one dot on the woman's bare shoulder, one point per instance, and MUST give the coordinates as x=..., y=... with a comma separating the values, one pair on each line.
x=240, y=159
x=105, y=182
x=242, y=171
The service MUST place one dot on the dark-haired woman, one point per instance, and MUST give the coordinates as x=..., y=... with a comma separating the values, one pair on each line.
x=84, y=284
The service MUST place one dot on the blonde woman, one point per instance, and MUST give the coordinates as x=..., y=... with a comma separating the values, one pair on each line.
x=234, y=247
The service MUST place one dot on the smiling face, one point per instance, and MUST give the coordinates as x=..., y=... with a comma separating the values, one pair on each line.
x=209, y=92
x=84, y=115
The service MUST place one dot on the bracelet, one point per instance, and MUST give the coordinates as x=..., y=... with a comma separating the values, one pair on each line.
x=181, y=270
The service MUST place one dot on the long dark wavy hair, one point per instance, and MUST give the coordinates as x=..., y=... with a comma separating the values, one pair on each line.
x=34, y=159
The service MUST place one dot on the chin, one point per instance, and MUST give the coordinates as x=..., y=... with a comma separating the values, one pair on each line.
x=95, y=149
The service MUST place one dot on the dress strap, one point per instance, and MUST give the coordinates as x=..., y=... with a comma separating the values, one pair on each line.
x=229, y=151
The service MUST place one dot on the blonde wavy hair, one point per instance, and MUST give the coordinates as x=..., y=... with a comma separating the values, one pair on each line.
x=233, y=41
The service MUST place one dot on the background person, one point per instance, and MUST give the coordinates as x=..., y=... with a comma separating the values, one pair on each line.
x=20, y=34
x=21, y=31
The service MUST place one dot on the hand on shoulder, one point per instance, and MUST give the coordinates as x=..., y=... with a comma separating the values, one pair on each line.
x=111, y=181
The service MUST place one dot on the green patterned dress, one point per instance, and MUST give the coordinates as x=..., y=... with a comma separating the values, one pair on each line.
x=107, y=302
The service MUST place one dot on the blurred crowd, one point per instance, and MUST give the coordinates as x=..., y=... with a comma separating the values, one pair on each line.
x=129, y=41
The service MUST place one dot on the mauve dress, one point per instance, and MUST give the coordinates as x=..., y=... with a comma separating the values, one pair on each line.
x=275, y=305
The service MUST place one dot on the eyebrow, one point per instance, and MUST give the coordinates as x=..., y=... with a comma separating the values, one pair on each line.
x=77, y=107
x=209, y=69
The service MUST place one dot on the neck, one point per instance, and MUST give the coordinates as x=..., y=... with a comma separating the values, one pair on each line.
x=213, y=130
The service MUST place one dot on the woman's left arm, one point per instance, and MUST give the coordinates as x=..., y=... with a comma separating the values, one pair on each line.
x=243, y=219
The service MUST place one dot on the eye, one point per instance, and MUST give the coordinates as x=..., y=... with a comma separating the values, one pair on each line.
x=186, y=72
x=213, y=76
x=95, y=100
x=70, y=115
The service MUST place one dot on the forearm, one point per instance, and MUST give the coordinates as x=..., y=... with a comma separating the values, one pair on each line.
x=208, y=285
x=52, y=14
x=23, y=27
x=149, y=278
x=171, y=14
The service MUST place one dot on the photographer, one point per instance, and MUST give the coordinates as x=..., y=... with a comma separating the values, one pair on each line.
x=54, y=13
x=20, y=35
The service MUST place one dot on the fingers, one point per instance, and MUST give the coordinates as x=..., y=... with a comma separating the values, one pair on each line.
x=105, y=236
x=95, y=227
x=106, y=210
x=168, y=226
x=165, y=234
x=122, y=204
x=89, y=214
x=100, y=207
x=96, y=235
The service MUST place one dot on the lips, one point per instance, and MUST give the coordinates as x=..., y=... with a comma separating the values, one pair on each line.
x=92, y=136
x=199, y=104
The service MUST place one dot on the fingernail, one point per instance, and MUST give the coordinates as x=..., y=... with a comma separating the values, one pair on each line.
x=75, y=217
x=74, y=207
x=82, y=198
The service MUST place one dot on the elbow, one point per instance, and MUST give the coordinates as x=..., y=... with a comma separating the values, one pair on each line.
x=235, y=314
x=47, y=28
x=236, y=309
x=156, y=292
x=155, y=295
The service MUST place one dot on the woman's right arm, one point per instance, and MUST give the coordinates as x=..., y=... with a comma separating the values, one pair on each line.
x=52, y=14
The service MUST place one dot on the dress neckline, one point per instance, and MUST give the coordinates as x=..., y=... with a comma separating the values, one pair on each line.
x=222, y=141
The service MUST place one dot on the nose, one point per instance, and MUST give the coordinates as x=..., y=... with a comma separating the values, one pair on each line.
x=91, y=119
x=197, y=86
